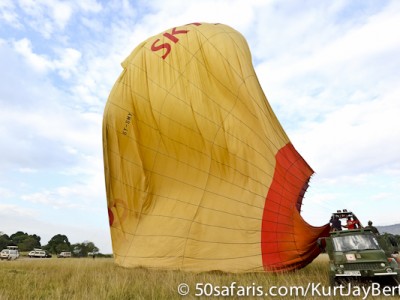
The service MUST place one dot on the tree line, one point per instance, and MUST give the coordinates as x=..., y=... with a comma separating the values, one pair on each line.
x=58, y=243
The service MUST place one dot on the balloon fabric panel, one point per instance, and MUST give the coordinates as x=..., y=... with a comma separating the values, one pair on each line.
x=199, y=173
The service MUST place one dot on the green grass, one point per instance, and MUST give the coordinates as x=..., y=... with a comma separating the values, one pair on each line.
x=101, y=279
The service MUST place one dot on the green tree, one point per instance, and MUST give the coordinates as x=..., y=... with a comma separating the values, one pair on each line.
x=18, y=237
x=29, y=243
x=24, y=241
x=58, y=243
x=4, y=240
x=82, y=249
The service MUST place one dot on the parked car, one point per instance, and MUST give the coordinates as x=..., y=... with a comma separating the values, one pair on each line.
x=39, y=253
x=10, y=253
x=64, y=254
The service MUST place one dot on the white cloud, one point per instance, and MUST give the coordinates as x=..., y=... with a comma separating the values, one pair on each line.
x=6, y=193
x=89, y=5
x=238, y=14
x=326, y=55
x=39, y=62
x=84, y=194
x=334, y=86
x=66, y=64
x=61, y=12
x=14, y=210
x=8, y=14
x=355, y=138
x=27, y=170
x=46, y=16
x=78, y=197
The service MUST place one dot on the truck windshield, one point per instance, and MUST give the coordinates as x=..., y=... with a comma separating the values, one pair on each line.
x=355, y=242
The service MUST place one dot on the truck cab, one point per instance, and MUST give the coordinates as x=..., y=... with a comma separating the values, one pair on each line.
x=359, y=254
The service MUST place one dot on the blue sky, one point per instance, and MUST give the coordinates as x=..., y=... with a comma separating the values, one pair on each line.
x=330, y=70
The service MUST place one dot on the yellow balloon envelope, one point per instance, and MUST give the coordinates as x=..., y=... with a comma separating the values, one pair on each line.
x=199, y=173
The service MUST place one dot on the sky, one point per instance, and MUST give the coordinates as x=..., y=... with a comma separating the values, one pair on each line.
x=330, y=71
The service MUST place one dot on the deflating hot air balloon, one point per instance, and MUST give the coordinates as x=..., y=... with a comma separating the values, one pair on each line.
x=200, y=174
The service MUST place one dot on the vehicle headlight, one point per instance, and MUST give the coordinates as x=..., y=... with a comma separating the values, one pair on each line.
x=383, y=264
x=389, y=270
x=341, y=266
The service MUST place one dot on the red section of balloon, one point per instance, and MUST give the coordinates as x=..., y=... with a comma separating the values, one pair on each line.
x=287, y=241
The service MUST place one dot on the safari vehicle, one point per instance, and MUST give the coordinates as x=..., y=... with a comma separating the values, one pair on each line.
x=359, y=255
x=64, y=254
x=10, y=253
x=39, y=253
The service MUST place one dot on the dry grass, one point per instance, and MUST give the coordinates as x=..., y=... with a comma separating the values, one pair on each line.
x=102, y=279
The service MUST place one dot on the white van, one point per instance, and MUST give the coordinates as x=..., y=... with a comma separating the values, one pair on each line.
x=64, y=254
x=10, y=253
x=39, y=253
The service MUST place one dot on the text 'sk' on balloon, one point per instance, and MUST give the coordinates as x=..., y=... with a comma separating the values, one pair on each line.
x=200, y=174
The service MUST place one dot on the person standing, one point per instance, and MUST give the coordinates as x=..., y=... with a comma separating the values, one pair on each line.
x=352, y=223
x=372, y=228
x=336, y=225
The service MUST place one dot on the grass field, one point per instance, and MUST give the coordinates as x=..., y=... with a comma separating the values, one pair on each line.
x=84, y=278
